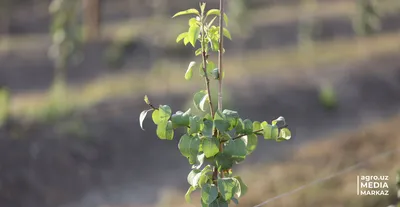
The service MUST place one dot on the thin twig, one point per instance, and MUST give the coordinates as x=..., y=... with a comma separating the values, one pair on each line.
x=221, y=47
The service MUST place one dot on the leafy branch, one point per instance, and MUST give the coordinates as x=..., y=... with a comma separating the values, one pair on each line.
x=218, y=138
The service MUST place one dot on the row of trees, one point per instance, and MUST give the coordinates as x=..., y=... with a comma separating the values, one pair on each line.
x=75, y=22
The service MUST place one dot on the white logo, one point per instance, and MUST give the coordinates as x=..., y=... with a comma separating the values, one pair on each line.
x=372, y=185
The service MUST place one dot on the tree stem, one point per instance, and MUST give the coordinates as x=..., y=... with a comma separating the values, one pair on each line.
x=207, y=80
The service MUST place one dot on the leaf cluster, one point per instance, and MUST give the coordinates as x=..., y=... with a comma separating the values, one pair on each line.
x=214, y=141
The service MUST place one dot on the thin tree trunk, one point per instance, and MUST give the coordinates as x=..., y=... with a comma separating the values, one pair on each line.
x=92, y=19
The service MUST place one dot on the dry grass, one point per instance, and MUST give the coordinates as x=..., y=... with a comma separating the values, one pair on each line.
x=318, y=160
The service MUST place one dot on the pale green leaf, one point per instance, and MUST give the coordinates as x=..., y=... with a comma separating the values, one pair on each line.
x=189, y=71
x=188, y=193
x=142, y=117
x=239, y=127
x=155, y=117
x=213, y=12
x=146, y=99
x=270, y=131
x=181, y=37
x=198, y=52
x=226, y=19
x=256, y=126
x=193, y=22
x=186, y=12
x=186, y=40
x=193, y=177
x=193, y=34
x=165, y=130
x=284, y=135
x=227, y=33
x=202, y=103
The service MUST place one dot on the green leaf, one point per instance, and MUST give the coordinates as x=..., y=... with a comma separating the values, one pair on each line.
x=195, y=123
x=248, y=126
x=226, y=33
x=251, y=142
x=213, y=12
x=226, y=19
x=198, y=97
x=210, y=66
x=146, y=99
x=220, y=121
x=220, y=202
x=142, y=117
x=215, y=74
x=223, y=161
x=165, y=130
x=186, y=40
x=186, y=12
x=193, y=22
x=270, y=131
x=256, y=126
x=241, y=187
x=180, y=119
x=284, y=135
x=232, y=117
x=164, y=113
x=189, y=147
x=155, y=117
x=236, y=148
x=209, y=193
x=181, y=37
x=206, y=174
x=189, y=71
x=240, y=127
x=208, y=128
x=193, y=34
x=226, y=187
x=188, y=193
x=210, y=147
x=198, y=52
x=202, y=103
